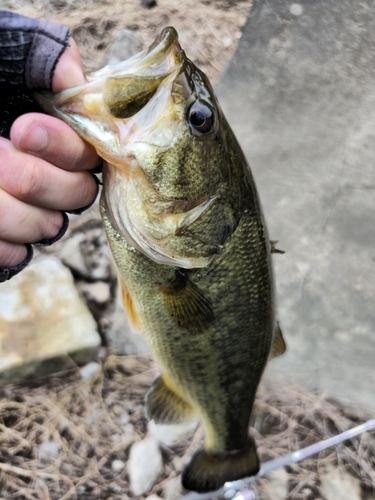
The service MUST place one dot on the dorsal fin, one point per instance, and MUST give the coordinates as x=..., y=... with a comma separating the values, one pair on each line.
x=273, y=247
x=279, y=346
x=185, y=303
x=129, y=306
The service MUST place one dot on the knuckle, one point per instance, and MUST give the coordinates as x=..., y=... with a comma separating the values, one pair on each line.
x=76, y=159
x=30, y=182
x=88, y=190
x=53, y=225
x=11, y=254
x=12, y=218
x=4, y=211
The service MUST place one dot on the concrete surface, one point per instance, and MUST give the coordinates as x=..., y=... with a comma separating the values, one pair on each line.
x=300, y=95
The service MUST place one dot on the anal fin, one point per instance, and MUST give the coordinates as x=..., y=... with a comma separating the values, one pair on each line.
x=165, y=406
x=208, y=472
x=279, y=346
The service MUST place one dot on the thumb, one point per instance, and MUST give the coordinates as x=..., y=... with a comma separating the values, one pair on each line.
x=69, y=70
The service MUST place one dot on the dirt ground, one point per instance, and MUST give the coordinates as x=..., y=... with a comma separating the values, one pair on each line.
x=210, y=29
x=93, y=422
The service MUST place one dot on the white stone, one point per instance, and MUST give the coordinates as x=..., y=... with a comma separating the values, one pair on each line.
x=339, y=484
x=44, y=324
x=89, y=370
x=170, y=434
x=145, y=465
x=173, y=488
x=153, y=497
x=117, y=465
x=277, y=485
x=227, y=41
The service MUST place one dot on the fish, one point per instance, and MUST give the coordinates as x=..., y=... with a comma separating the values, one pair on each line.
x=186, y=229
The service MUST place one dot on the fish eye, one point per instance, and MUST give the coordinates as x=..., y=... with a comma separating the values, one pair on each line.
x=201, y=117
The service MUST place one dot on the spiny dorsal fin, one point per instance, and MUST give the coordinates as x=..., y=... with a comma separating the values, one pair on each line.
x=129, y=306
x=273, y=247
x=279, y=346
x=185, y=303
x=164, y=405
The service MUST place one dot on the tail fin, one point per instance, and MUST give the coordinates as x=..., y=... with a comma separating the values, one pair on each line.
x=208, y=472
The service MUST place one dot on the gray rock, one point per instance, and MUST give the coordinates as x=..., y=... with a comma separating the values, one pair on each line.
x=44, y=324
x=86, y=252
x=126, y=43
x=300, y=96
x=145, y=465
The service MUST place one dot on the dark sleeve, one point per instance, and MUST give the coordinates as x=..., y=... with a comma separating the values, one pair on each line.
x=29, y=52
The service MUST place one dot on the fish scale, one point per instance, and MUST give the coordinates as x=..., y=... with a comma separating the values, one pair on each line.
x=186, y=230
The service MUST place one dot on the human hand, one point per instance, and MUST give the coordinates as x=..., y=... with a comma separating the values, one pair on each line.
x=43, y=171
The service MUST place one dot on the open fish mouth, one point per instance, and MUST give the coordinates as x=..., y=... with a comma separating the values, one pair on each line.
x=131, y=112
x=103, y=110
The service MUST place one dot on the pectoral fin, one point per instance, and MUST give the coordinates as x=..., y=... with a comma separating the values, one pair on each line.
x=165, y=406
x=129, y=306
x=185, y=303
x=279, y=346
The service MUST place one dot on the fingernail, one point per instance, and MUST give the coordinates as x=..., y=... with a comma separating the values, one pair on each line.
x=34, y=139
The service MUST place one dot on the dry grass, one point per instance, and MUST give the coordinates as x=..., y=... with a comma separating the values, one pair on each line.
x=95, y=421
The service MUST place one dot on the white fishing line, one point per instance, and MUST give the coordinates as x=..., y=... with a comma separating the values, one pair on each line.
x=238, y=490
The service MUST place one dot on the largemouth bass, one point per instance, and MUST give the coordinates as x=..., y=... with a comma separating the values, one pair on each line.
x=185, y=226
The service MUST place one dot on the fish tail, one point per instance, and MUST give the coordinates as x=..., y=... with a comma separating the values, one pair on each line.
x=208, y=472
